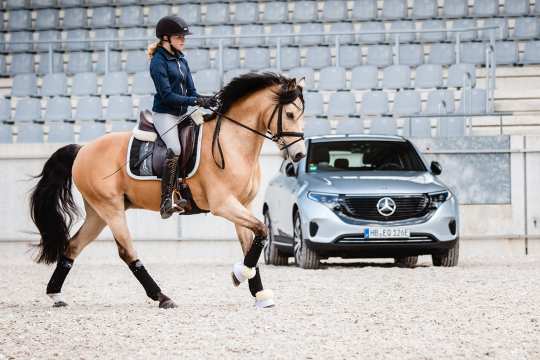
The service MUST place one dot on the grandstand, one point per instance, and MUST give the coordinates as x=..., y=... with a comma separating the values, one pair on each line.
x=75, y=69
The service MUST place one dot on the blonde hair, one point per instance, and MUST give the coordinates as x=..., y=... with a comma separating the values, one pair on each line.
x=152, y=48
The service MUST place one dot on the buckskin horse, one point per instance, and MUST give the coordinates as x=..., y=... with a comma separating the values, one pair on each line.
x=252, y=107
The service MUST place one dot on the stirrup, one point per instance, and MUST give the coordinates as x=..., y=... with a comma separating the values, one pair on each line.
x=178, y=203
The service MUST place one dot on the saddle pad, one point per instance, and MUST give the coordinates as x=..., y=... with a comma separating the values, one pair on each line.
x=139, y=158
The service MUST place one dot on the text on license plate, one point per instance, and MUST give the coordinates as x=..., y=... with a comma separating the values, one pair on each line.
x=386, y=233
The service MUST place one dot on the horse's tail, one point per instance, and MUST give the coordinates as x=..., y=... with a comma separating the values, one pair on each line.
x=51, y=204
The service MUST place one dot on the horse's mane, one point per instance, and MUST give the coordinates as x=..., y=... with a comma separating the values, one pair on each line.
x=249, y=83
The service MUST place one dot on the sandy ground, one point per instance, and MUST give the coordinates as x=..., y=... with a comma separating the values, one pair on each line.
x=487, y=308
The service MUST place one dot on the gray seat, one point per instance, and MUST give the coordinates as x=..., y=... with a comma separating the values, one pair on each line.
x=48, y=35
x=137, y=60
x=350, y=56
x=28, y=133
x=15, y=4
x=114, y=65
x=440, y=102
x=290, y=57
x=417, y=127
x=119, y=107
x=198, y=59
x=428, y=76
x=313, y=104
x=6, y=135
x=473, y=101
x=304, y=11
x=61, y=132
x=93, y=3
x=275, y=12
x=19, y=36
x=24, y=85
x=251, y=29
x=88, y=109
x=383, y=126
x=208, y=81
x=21, y=64
x=536, y=9
x=396, y=77
x=74, y=18
x=191, y=13
x=54, y=85
x=403, y=26
x=123, y=126
x=501, y=33
x=257, y=58
x=84, y=84
x=506, y=52
x=130, y=16
x=19, y=20
x=231, y=59
x=220, y=30
x=442, y=54
x=318, y=57
x=79, y=62
x=342, y=103
x=451, y=127
x=316, y=126
x=5, y=110
x=310, y=39
x=304, y=72
x=45, y=66
x=27, y=110
x=433, y=37
x=281, y=29
x=134, y=33
x=516, y=7
x=425, y=9
x=371, y=38
x=379, y=55
x=103, y=17
x=341, y=27
x=58, y=109
x=146, y=102
x=526, y=28
x=334, y=10
x=195, y=43
x=350, y=125
x=142, y=83
x=394, y=9
x=246, y=13
x=70, y=3
x=463, y=35
x=156, y=12
x=217, y=13
x=364, y=77
x=461, y=75
x=76, y=34
x=105, y=34
x=3, y=67
x=374, y=103
x=231, y=74
x=90, y=131
x=473, y=53
x=364, y=10
x=531, y=53
x=115, y=83
x=411, y=54
x=46, y=19
x=455, y=8
x=332, y=78
x=407, y=102
x=485, y=8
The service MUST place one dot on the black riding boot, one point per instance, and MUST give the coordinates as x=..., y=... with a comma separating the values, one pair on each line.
x=169, y=180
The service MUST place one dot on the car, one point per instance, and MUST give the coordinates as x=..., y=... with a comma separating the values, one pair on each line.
x=360, y=196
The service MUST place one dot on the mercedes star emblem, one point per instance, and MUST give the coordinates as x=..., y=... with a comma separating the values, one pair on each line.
x=386, y=206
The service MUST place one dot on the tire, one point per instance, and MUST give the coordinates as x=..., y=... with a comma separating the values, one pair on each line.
x=449, y=258
x=304, y=257
x=407, y=261
x=272, y=255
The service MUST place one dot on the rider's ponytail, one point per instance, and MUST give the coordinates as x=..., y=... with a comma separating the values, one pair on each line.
x=152, y=48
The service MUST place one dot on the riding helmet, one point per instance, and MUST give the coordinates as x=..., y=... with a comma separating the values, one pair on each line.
x=171, y=25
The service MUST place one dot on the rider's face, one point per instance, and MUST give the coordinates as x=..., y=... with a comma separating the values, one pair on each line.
x=178, y=41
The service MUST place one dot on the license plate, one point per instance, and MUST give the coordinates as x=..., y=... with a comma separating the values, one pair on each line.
x=386, y=233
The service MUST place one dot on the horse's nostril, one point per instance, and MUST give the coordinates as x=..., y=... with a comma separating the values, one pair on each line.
x=298, y=156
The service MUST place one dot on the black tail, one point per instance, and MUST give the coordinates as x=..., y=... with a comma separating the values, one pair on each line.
x=51, y=204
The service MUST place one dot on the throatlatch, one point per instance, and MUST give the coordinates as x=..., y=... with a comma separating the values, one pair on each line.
x=63, y=266
x=150, y=286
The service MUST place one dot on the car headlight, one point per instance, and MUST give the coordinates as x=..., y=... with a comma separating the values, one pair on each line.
x=438, y=198
x=329, y=200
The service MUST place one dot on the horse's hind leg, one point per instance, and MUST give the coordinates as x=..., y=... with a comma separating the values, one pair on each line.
x=87, y=233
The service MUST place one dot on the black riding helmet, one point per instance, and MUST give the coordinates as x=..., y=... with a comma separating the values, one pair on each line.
x=171, y=25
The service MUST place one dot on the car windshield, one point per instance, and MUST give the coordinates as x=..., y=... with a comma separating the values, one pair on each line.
x=363, y=156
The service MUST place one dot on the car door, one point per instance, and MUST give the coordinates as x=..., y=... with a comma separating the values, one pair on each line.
x=287, y=199
x=273, y=195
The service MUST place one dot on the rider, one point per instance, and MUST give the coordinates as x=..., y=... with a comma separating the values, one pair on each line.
x=175, y=92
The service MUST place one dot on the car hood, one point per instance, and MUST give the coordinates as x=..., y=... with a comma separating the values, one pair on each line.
x=374, y=182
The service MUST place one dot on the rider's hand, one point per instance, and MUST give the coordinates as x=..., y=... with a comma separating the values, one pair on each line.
x=207, y=102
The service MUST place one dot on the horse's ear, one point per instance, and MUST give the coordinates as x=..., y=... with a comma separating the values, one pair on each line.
x=301, y=82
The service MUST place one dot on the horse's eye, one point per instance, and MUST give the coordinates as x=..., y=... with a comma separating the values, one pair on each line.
x=290, y=115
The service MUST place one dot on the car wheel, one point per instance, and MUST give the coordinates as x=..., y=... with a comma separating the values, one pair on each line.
x=272, y=255
x=303, y=256
x=449, y=258
x=406, y=261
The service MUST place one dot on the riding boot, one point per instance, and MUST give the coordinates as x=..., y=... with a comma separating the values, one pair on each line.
x=169, y=180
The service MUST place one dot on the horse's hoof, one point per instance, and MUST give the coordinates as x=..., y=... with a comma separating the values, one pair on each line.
x=235, y=281
x=60, y=304
x=58, y=300
x=167, y=304
x=264, y=299
x=242, y=273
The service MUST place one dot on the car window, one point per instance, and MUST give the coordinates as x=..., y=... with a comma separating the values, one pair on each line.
x=363, y=156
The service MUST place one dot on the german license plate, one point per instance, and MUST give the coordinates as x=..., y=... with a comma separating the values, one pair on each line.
x=386, y=233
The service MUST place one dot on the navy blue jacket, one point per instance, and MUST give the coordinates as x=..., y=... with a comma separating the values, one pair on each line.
x=173, y=82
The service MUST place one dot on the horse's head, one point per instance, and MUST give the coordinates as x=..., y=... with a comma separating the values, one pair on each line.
x=287, y=121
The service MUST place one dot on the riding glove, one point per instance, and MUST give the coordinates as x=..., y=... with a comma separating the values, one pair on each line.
x=207, y=102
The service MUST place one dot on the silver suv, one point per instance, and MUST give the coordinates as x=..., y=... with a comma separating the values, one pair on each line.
x=360, y=196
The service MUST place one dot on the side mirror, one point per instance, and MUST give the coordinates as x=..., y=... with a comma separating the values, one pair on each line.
x=436, y=168
x=289, y=170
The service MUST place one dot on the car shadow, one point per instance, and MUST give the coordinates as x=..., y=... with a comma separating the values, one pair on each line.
x=363, y=264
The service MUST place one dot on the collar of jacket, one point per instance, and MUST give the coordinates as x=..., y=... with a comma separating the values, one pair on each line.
x=170, y=56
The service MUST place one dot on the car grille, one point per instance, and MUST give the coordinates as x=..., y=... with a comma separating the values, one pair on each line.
x=365, y=207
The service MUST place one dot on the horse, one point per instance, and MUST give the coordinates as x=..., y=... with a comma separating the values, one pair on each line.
x=251, y=107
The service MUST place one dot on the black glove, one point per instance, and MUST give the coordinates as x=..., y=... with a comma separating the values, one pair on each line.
x=207, y=102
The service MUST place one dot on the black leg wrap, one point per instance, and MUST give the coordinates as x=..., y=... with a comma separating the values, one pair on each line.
x=254, y=253
x=63, y=265
x=150, y=286
x=255, y=283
